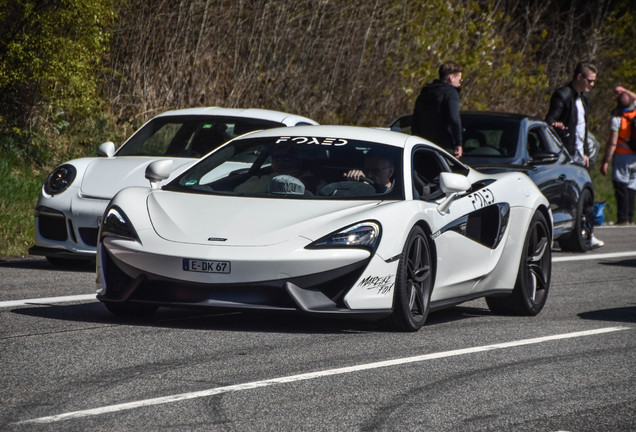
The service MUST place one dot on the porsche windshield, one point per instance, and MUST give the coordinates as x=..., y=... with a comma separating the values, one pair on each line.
x=188, y=136
x=298, y=167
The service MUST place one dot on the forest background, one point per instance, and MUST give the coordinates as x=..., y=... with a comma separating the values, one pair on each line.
x=76, y=73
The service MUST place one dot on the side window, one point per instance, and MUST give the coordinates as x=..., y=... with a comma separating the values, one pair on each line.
x=427, y=166
x=535, y=143
x=540, y=140
x=552, y=142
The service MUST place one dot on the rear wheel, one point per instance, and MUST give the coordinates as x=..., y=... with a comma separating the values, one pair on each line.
x=581, y=238
x=533, y=279
x=413, y=284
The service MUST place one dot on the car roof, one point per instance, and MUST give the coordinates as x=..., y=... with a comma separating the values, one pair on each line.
x=360, y=133
x=257, y=113
x=500, y=114
x=492, y=114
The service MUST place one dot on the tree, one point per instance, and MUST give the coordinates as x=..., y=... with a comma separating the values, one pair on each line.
x=50, y=55
x=499, y=68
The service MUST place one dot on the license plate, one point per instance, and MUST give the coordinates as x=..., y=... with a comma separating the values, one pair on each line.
x=206, y=266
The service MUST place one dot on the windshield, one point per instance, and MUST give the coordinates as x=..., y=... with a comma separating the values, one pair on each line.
x=188, y=136
x=489, y=137
x=298, y=167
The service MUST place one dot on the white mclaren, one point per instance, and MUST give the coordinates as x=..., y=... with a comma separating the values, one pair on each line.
x=327, y=220
x=76, y=193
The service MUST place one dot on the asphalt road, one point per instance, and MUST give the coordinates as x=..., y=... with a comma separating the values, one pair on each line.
x=71, y=366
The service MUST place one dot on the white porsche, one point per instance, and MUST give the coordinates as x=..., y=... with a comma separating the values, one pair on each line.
x=327, y=220
x=75, y=194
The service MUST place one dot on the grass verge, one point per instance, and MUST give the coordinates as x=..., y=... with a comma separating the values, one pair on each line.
x=20, y=185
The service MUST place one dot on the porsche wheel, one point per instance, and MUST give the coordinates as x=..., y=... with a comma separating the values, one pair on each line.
x=533, y=280
x=581, y=238
x=413, y=284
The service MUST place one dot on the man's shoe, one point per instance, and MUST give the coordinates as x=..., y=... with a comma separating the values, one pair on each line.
x=596, y=243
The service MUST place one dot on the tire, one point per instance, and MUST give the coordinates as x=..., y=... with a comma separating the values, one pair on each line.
x=131, y=310
x=533, y=279
x=413, y=284
x=580, y=240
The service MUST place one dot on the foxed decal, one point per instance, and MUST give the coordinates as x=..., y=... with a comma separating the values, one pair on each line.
x=482, y=198
x=383, y=284
x=336, y=142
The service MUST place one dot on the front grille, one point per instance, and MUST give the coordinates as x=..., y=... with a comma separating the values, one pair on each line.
x=151, y=288
x=52, y=227
x=263, y=295
x=89, y=236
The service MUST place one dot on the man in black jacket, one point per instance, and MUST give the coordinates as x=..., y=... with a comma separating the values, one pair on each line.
x=436, y=113
x=568, y=116
x=568, y=112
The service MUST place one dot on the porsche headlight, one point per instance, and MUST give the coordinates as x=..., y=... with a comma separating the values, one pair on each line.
x=361, y=235
x=60, y=179
x=116, y=223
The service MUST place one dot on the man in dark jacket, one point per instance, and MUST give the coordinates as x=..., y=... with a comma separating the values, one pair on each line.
x=436, y=113
x=568, y=112
x=568, y=116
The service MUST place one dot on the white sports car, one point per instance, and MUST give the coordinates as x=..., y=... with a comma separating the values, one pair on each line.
x=75, y=194
x=330, y=220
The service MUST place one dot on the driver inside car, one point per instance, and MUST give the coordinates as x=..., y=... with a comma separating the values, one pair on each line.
x=377, y=170
x=284, y=161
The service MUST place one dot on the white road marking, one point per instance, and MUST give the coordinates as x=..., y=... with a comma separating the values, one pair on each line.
x=312, y=375
x=594, y=256
x=47, y=300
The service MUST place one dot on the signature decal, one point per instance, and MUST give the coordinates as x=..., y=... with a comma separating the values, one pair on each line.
x=313, y=140
x=383, y=284
x=482, y=198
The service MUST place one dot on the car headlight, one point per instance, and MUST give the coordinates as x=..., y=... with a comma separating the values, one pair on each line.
x=60, y=179
x=364, y=235
x=116, y=224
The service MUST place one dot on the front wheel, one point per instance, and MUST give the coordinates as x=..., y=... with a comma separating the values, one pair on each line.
x=580, y=240
x=533, y=279
x=413, y=284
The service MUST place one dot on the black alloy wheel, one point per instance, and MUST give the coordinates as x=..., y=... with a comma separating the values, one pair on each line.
x=413, y=285
x=581, y=238
x=533, y=279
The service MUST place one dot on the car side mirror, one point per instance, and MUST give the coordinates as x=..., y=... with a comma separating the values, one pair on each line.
x=451, y=184
x=544, y=158
x=107, y=149
x=157, y=171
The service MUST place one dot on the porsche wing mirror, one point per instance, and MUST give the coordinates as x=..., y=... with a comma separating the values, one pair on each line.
x=157, y=171
x=107, y=149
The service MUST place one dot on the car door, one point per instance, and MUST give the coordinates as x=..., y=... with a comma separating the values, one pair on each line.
x=550, y=167
x=468, y=231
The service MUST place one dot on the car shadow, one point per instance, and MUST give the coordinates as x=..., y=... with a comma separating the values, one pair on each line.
x=252, y=321
x=43, y=264
x=624, y=263
x=623, y=314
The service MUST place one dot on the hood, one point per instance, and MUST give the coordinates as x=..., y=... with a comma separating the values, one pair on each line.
x=104, y=177
x=241, y=221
